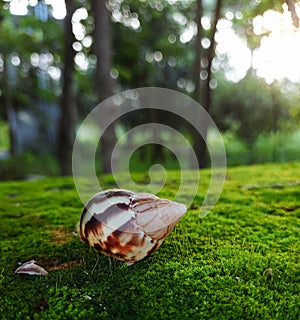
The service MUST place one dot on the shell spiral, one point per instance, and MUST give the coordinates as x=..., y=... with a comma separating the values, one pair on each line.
x=126, y=225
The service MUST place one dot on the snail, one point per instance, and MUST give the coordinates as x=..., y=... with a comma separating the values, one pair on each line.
x=126, y=225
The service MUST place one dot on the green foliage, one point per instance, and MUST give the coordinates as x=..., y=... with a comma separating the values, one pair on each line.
x=13, y=168
x=249, y=10
x=27, y=166
x=250, y=108
x=156, y=25
x=23, y=36
x=239, y=262
x=144, y=157
x=4, y=136
x=273, y=147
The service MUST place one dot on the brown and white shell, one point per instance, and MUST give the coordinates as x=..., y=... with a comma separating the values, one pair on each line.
x=126, y=225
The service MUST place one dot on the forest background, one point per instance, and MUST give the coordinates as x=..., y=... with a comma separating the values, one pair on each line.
x=59, y=59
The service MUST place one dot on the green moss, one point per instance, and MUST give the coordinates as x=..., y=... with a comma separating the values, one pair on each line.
x=239, y=262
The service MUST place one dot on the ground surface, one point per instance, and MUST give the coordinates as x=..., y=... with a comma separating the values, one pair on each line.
x=242, y=261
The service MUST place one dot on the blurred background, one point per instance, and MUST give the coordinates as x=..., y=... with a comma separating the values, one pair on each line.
x=59, y=59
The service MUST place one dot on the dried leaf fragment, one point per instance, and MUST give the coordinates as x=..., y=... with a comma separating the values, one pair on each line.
x=31, y=268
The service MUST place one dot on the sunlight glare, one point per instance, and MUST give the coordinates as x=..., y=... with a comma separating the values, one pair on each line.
x=81, y=61
x=276, y=58
x=205, y=22
x=278, y=55
x=18, y=7
x=58, y=8
x=79, y=14
x=188, y=33
x=54, y=73
x=33, y=3
x=239, y=55
x=79, y=31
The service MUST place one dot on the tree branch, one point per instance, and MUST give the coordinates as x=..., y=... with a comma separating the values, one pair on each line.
x=294, y=15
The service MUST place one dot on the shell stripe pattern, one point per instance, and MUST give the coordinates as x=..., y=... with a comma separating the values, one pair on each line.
x=126, y=225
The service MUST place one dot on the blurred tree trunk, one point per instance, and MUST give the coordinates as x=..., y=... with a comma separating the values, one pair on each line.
x=198, y=48
x=210, y=56
x=11, y=117
x=199, y=144
x=104, y=86
x=203, y=90
x=68, y=103
x=10, y=112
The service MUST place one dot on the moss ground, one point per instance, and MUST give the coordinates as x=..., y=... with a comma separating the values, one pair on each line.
x=239, y=262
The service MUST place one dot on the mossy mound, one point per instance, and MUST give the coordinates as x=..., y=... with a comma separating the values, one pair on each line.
x=239, y=262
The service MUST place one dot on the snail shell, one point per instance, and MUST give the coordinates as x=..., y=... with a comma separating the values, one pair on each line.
x=126, y=225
